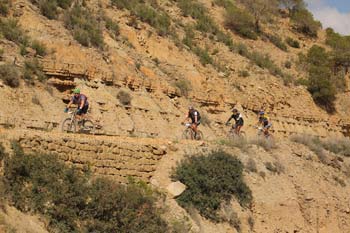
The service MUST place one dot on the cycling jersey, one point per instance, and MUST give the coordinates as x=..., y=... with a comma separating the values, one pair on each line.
x=192, y=114
x=238, y=119
x=79, y=99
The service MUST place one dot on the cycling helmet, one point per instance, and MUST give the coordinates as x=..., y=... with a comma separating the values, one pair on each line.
x=190, y=108
x=76, y=91
x=261, y=112
x=234, y=110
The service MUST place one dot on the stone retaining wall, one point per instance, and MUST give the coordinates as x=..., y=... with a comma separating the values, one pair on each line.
x=108, y=156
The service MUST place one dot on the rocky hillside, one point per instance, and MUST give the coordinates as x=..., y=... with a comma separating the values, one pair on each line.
x=142, y=63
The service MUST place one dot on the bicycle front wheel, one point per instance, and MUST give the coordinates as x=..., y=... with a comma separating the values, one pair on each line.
x=88, y=127
x=68, y=126
x=187, y=134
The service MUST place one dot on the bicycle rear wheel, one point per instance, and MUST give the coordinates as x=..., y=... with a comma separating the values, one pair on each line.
x=68, y=126
x=88, y=127
x=199, y=135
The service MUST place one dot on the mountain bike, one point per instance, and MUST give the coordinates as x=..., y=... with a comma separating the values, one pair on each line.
x=188, y=133
x=233, y=135
x=73, y=125
x=261, y=133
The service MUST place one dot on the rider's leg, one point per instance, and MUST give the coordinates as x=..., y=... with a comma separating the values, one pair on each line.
x=238, y=128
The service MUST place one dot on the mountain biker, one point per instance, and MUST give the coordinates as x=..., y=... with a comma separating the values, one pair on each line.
x=265, y=122
x=80, y=100
x=195, y=117
x=239, y=122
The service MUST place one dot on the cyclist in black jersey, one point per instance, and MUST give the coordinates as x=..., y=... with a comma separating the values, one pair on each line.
x=239, y=122
x=195, y=117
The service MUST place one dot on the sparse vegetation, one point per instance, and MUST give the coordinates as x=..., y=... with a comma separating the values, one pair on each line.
x=4, y=7
x=267, y=144
x=211, y=179
x=313, y=143
x=72, y=201
x=112, y=27
x=33, y=70
x=278, y=42
x=12, y=31
x=10, y=75
x=340, y=181
x=39, y=48
x=304, y=22
x=293, y=43
x=251, y=165
x=184, y=86
x=148, y=13
x=288, y=64
x=84, y=26
x=240, y=22
x=124, y=97
x=243, y=73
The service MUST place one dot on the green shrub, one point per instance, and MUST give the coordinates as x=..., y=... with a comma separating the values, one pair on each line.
x=304, y=22
x=65, y=4
x=241, y=22
x=320, y=86
x=223, y=3
x=211, y=179
x=124, y=97
x=85, y=27
x=39, y=48
x=278, y=42
x=4, y=7
x=48, y=8
x=72, y=202
x=10, y=75
x=117, y=208
x=288, y=64
x=189, y=36
x=264, y=61
x=33, y=69
x=242, y=50
x=112, y=27
x=157, y=18
x=12, y=31
x=204, y=56
x=159, y=21
x=197, y=11
x=243, y=73
x=292, y=43
x=184, y=86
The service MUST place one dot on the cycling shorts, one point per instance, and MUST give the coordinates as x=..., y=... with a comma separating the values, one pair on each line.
x=84, y=110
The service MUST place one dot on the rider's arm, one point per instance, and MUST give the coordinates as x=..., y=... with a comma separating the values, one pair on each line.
x=82, y=103
x=229, y=119
x=195, y=119
x=69, y=104
x=187, y=117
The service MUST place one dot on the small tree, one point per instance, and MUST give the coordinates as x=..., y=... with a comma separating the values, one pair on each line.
x=260, y=9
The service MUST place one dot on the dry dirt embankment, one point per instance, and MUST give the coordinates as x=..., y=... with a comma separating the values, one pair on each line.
x=293, y=190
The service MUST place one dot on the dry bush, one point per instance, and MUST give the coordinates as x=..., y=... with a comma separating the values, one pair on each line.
x=275, y=167
x=267, y=144
x=10, y=75
x=124, y=97
x=251, y=165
